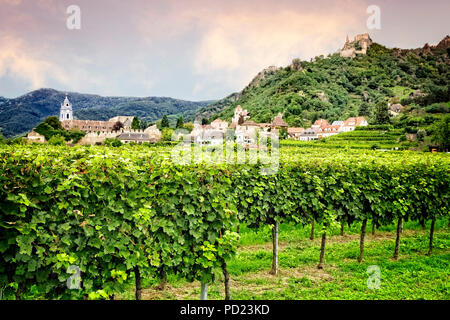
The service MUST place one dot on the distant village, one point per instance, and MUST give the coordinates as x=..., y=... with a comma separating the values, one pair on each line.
x=245, y=130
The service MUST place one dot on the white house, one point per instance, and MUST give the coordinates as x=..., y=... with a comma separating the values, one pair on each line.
x=309, y=134
x=351, y=123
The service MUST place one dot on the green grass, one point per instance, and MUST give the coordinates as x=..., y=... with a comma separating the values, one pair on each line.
x=401, y=92
x=413, y=276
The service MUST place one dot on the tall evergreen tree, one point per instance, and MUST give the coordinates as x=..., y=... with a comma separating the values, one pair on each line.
x=180, y=122
x=164, y=122
x=364, y=109
x=143, y=124
x=135, y=124
x=382, y=113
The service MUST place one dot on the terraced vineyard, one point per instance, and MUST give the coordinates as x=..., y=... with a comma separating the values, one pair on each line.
x=87, y=222
x=371, y=137
x=382, y=138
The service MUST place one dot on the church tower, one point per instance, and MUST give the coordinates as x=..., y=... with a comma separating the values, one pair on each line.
x=65, y=112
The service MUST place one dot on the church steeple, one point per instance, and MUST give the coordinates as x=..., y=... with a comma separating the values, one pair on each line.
x=65, y=112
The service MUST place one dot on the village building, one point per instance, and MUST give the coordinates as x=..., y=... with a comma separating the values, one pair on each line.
x=319, y=123
x=278, y=122
x=338, y=123
x=328, y=131
x=239, y=116
x=309, y=134
x=351, y=123
x=33, y=136
x=246, y=132
x=154, y=134
x=219, y=124
x=88, y=125
x=265, y=126
x=294, y=133
x=137, y=137
x=210, y=137
x=249, y=125
x=95, y=138
x=68, y=123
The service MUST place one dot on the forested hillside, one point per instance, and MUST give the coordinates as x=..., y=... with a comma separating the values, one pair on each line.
x=336, y=87
x=20, y=115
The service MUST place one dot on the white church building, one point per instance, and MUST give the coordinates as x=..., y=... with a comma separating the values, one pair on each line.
x=66, y=113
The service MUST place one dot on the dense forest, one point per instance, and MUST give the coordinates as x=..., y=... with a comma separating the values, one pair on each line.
x=336, y=87
x=21, y=114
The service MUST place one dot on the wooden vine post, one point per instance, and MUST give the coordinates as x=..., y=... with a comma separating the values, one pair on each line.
x=226, y=280
x=397, y=240
x=430, y=249
x=275, y=231
x=311, y=236
x=138, y=281
x=322, y=250
x=361, y=242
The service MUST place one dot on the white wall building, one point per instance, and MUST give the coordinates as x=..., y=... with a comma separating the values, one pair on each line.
x=66, y=113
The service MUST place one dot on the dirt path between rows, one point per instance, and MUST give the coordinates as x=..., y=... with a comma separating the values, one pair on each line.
x=379, y=235
x=261, y=281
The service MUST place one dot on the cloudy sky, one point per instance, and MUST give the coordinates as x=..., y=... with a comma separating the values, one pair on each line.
x=188, y=49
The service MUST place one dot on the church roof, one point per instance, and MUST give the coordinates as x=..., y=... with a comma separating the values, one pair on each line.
x=140, y=136
x=278, y=121
x=66, y=103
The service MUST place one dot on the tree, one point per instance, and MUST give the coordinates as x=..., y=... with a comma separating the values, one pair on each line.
x=45, y=129
x=188, y=126
x=382, y=113
x=364, y=109
x=441, y=132
x=143, y=124
x=165, y=122
x=135, y=124
x=180, y=122
x=117, y=126
x=54, y=122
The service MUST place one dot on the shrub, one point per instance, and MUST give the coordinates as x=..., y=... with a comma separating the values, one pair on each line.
x=166, y=134
x=113, y=142
x=421, y=134
x=57, y=140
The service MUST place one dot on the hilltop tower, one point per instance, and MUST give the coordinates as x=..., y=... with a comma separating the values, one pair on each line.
x=65, y=112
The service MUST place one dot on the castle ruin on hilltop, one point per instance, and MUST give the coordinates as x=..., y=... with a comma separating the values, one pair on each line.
x=359, y=45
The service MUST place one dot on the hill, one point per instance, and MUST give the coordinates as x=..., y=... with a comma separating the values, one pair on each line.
x=20, y=115
x=336, y=87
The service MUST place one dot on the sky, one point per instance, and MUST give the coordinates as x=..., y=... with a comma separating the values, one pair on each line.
x=189, y=49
